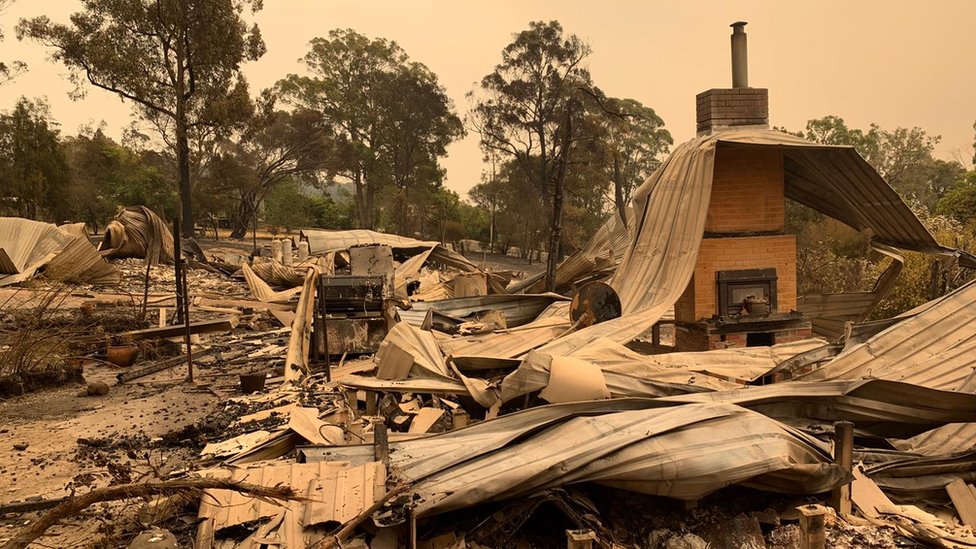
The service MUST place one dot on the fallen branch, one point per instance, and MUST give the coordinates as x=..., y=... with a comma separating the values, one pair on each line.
x=74, y=505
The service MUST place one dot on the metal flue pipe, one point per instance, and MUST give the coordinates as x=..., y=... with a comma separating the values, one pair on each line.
x=740, y=56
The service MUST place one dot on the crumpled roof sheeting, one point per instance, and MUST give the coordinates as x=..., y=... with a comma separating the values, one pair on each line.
x=518, y=309
x=838, y=182
x=668, y=219
x=913, y=477
x=948, y=439
x=261, y=291
x=288, y=276
x=511, y=343
x=321, y=241
x=80, y=262
x=75, y=230
x=684, y=452
x=631, y=374
x=877, y=407
x=428, y=362
x=934, y=348
x=336, y=493
x=27, y=243
x=138, y=232
x=602, y=254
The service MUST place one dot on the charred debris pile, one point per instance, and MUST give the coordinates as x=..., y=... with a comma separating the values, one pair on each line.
x=379, y=391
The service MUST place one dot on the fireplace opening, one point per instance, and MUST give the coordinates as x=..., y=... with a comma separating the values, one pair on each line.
x=760, y=339
x=735, y=286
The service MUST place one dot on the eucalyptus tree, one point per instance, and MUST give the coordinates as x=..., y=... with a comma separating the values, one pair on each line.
x=530, y=109
x=179, y=61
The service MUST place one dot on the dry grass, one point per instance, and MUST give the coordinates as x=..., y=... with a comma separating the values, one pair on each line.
x=36, y=340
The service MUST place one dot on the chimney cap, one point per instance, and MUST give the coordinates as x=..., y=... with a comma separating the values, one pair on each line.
x=738, y=26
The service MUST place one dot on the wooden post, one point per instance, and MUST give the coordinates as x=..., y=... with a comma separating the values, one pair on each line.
x=813, y=533
x=372, y=397
x=381, y=444
x=580, y=539
x=656, y=335
x=963, y=500
x=353, y=401
x=412, y=520
x=840, y=497
x=145, y=289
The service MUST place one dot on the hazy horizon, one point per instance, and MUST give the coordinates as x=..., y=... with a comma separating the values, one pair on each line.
x=904, y=65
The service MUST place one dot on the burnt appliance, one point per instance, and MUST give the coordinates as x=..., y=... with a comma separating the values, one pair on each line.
x=352, y=315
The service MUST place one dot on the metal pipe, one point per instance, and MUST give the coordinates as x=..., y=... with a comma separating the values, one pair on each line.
x=740, y=56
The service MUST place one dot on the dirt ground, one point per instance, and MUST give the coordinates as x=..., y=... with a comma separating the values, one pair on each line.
x=51, y=422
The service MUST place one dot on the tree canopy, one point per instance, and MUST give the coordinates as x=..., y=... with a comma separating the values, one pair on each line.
x=527, y=107
x=390, y=116
x=34, y=173
x=178, y=60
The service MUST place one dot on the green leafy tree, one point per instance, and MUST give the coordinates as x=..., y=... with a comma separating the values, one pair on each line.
x=34, y=173
x=277, y=146
x=516, y=204
x=390, y=117
x=106, y=176
x=474, y=221
x=178, y=60
x=418, y=122
x=288, y=207
x=633, y=144
x=960, y=202
x=332, y=213
x=94, y=160
x=529, y=109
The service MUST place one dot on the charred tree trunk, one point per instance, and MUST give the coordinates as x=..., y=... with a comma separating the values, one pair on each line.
x=183, y=161
x=246, y=216
x=556, y=225
x=362, y=209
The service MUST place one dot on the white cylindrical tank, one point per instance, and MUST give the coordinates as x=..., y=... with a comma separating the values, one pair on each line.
x=276, y=250
x=287, y=257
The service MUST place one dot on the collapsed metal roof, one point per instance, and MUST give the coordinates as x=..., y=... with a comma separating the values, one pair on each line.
x=666, y=222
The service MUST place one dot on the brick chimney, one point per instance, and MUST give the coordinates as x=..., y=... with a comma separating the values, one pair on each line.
x=745, y=253
x=740, y=105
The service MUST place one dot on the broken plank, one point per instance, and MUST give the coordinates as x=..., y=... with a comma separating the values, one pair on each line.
x=199, y=327
x=963, y=500
x=286, y=318
x=425, y=419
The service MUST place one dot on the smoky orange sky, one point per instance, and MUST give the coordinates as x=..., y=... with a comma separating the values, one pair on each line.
x=896, y=63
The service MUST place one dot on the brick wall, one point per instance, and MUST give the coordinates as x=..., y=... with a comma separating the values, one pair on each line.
x=696, y=338
x=720, y=108
x=734, y=254
x=747, y=191
x=684, y=308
